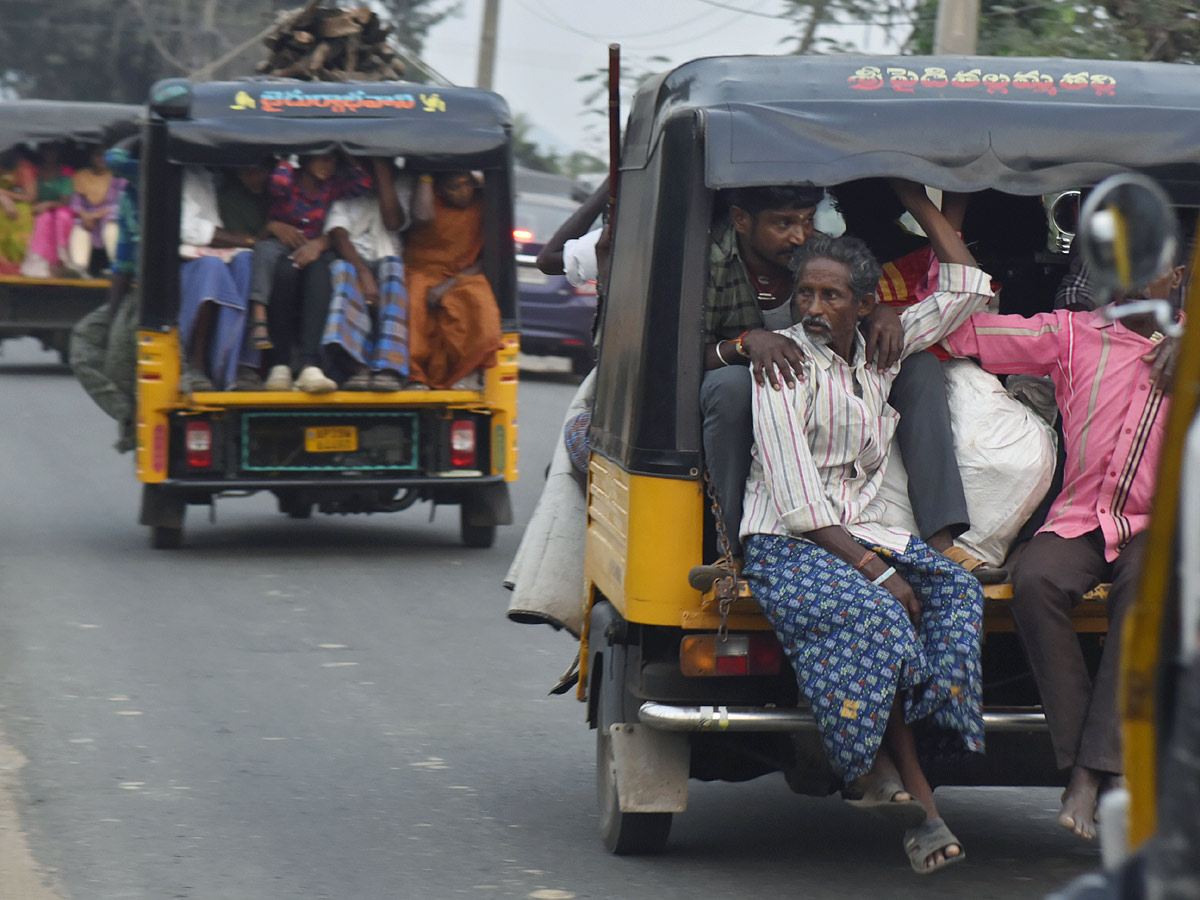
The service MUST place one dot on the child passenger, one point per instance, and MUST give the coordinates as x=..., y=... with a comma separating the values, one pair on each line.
x=94, y=203
x=367, y=328
x=454, y=319
x=290, y=286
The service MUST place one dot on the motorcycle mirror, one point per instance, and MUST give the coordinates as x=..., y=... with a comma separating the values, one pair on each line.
x=1127, y=232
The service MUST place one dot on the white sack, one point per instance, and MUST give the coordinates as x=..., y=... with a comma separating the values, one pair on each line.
x=546, y=575
x=1006, y=456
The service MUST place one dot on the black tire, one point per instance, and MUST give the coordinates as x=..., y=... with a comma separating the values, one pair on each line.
x=164, y=538
x=624, y=834
x=479, y=536
x=299, y=510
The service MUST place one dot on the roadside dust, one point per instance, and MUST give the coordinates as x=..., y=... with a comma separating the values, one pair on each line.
x=20, y=878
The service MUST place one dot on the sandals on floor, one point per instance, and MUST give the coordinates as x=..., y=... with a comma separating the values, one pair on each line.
x=877, y=797
x=925, y=840
x=359, y=382
x=193, y=381
x=386, y=381
x=984, y=572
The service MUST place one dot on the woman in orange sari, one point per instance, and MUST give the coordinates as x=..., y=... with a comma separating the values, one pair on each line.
x=454, y=322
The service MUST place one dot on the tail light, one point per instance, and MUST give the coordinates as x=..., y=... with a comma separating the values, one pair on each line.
x=197, y=441
x=522, y=235
x=737, y=654
x=462, y=443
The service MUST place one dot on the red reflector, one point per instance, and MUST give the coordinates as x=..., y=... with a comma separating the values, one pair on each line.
x=572, y=342
x=462, y=443
x=732, y=665
x=197, y=440
x=159, y=447
x=522, y=235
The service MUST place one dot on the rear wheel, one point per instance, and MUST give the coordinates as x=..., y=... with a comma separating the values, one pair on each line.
x=165, y=538
x=480, y=536
x=623, y=833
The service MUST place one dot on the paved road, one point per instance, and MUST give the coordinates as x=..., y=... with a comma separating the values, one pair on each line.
x=337, y=708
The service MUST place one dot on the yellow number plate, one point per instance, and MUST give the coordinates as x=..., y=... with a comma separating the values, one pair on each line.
x=330, y=439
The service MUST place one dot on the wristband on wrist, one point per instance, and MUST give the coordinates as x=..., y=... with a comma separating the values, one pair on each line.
x=719, y=356
x=887, y=573
x=867, y=557
x=737, y=344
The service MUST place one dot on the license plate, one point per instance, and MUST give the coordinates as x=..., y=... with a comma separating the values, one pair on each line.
x=330, y=439
x=530, y=275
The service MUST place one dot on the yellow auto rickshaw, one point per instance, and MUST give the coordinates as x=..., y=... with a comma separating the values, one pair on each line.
x=680, y=684
x=340, y=452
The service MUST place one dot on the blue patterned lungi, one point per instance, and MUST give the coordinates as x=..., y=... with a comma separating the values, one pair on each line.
x=351, y=323
x=211, y=280
x=851, y=644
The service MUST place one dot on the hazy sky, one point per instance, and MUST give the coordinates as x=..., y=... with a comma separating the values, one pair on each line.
x=544, y=45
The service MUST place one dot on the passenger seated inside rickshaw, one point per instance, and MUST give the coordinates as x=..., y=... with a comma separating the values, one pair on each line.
x=18, y=187
x=1111, y=380
x=454, y=321
x=223, y=217
x=290, y=284
x=367, y=331
x=93, y=240
x=746, y=300
x=48, y=252
x=883, y=636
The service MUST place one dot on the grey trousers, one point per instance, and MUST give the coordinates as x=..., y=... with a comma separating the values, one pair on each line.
x=1051, y=574
x=267, y=253
x=926, y=443
x=728, y=434
x=919, y=394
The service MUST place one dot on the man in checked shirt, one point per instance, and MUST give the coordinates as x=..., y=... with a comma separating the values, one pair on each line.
x=1110, y=380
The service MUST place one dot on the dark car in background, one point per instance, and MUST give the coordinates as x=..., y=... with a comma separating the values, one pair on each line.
x=556, y=316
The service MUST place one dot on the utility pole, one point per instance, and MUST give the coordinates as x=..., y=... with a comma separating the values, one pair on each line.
x=487, y=45
x=957, y=28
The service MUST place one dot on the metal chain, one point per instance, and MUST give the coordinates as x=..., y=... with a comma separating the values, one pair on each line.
x=725, y=589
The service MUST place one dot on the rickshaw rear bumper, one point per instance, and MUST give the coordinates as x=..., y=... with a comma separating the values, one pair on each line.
x=723, y=719
x=332, y=481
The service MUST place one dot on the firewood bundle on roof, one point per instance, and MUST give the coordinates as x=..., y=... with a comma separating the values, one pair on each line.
x=320, y=43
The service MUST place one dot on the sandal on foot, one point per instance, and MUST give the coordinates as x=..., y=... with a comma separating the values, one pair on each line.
x=386, y=381
x=260, y=336
x=193, y=381
x=359, y=382
x=985, y=573
x=877, y=795
x=247, y=380
x=701, y=578
x=922, y=842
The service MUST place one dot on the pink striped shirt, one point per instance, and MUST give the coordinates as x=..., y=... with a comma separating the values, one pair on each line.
x=821, y=448
x=1113, y=415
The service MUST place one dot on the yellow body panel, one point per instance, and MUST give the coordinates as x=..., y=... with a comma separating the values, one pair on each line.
x=157, y=394
x=643, y=535
x=158, y=367
x=1142, y=643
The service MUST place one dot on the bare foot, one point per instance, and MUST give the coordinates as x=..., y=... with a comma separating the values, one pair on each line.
x=1079, y=802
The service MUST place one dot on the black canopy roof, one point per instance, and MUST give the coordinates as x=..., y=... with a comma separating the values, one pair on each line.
x=230, y=122
x=962, y=123
x=35, y=121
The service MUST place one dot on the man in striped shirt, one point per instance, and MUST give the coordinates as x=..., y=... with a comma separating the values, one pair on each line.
x=1109, y=380
x=881, y=630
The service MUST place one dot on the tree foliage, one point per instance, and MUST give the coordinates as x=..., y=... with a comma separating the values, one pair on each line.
x=1167, y=30
x=1109, y=29
x=115, y=49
